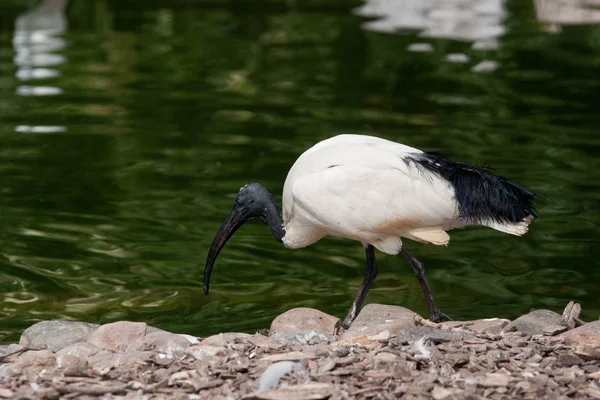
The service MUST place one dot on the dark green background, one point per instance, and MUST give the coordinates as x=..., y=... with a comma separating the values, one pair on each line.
x=170, y=106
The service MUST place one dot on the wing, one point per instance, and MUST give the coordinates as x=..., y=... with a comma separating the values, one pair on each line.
x=369, y=204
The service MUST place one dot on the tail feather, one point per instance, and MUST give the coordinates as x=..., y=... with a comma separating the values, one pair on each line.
x=483, y=197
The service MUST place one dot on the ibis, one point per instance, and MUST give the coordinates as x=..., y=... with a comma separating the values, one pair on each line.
x=379, y=192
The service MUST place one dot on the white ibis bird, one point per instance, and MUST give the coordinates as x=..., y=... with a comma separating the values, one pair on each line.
x=377, y=192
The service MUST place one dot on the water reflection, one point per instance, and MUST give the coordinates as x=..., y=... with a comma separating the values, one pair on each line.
x=556, y=13
x=479, y=21
x=36, y=43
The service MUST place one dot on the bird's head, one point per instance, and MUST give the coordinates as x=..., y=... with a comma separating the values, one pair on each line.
x=252, y=201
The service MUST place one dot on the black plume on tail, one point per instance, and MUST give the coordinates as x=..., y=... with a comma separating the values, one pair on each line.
x=481, y=195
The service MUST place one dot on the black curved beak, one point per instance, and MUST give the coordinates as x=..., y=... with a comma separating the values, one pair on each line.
x=236, y=218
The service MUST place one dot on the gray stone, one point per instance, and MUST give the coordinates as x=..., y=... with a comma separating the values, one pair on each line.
x=412, y=335
x=441, y=393
x=384, y=357
x=44, y=358
x=301, y=319
x=493, y=379
x=272, y=374
x=56, y=335
x=377, y=322
x=81, y=350
x=307, y=391
x=202, y=352
x=585, y=340
x=223, y=339
x=535, y=322
x=71, y=365
x=491, y=325
x=169, y=344
x=301, y=337
x=14, y=348
x=131, y=359
x=118, y=336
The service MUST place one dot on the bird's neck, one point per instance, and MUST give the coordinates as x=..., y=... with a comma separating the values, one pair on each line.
x=273, y=219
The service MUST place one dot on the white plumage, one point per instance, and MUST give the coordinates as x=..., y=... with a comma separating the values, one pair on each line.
x=377, y=192
x=362, y=188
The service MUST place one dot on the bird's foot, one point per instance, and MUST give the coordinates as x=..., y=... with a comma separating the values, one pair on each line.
x=347, y=321
x=350, y=317
x=438, y=316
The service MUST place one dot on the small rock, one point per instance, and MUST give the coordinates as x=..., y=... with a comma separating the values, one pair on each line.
x=568, y=360
x=192, y=339
x=71, y=365
x=441, y=393
x=118, y=336
x=170, y=344
x=375, y=319
x=411, y=335
x=223, y=339
x=590, y=327
x=14, y=348
x=553, y=330
x=44, y=358
x=308, y=391
x=7, y=371
x=6, y=393
x=301, y=337
x=385, y=358
x=584, y=339
x=81, y=350
x=535, y=322
x=493, y=379
x=491, y=325
x=300, y=319
x=289, y=356
x=202, y=352
x=56, y=335
x=128, y=360
x=271, y=376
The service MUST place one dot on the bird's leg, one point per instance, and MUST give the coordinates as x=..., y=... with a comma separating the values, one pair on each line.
x=370, y=274
x=435, y=314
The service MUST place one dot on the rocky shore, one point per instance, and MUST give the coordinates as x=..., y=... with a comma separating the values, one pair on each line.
x=389, y=352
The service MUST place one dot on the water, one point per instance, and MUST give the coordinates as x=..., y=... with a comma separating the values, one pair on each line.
x=126, y=128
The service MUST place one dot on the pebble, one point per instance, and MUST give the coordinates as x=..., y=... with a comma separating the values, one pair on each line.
x=81, y=350
x=106, y=361
x=55, y=335
x=488, y=325
x=203, y=352
x=71, y=365
x=43, y=358
x=375, y=320
x=118, y=336
x=535, y=322
x=412, y=335
x=303, y=338
x=223, y=339
x=305, y=319
x=494, y=379
x=169, y=344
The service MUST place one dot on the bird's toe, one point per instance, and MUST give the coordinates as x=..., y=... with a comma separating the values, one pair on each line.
x=439, y=316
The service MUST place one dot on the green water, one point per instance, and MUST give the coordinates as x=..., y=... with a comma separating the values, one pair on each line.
x=122, y=147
